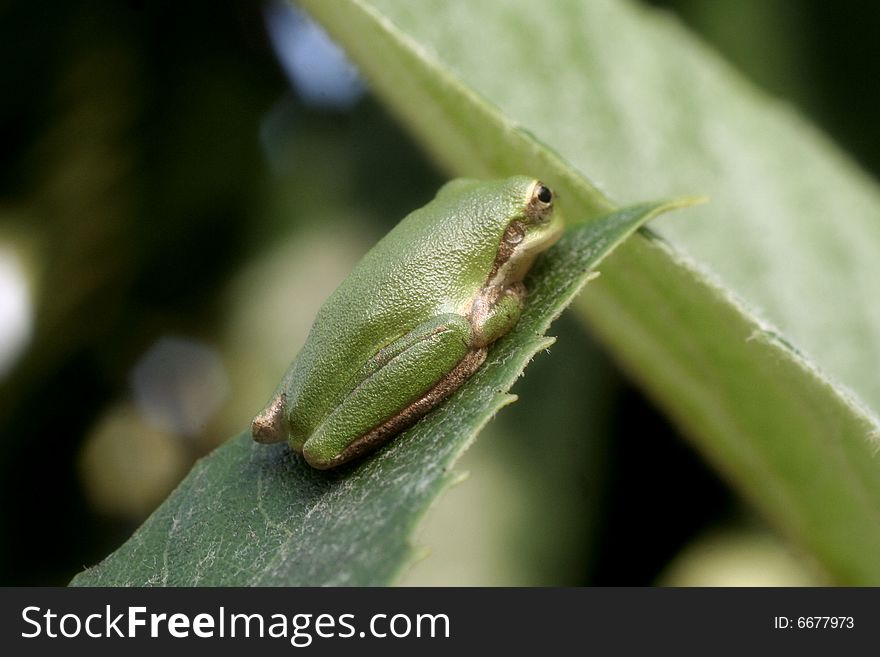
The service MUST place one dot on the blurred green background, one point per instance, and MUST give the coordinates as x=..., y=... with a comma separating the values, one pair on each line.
x=180, y=188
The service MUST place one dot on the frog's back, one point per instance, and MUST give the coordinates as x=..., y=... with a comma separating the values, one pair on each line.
x=424, y=267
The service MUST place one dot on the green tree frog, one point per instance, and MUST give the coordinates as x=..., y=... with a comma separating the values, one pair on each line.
x=413, y=321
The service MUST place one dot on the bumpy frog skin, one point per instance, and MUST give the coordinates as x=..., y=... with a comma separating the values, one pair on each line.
x=413, y=320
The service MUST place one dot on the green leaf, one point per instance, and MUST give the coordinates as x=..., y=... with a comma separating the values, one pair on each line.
x=252, y=514
x=763, y=340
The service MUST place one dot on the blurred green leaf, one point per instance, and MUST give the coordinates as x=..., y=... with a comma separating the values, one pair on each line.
x=762, y=341
x=259, y=515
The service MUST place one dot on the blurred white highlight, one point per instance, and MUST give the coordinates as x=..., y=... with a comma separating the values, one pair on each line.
x=16, y=310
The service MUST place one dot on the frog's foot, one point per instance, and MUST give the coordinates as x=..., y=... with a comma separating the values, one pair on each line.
x=267, y=427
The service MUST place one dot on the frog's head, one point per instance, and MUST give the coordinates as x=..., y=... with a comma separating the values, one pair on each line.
x=536, y=229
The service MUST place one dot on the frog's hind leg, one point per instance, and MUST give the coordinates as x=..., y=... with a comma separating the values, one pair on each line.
x=408, y=416
x=400, y=384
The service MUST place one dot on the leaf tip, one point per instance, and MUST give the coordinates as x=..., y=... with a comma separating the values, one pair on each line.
x=685, y=202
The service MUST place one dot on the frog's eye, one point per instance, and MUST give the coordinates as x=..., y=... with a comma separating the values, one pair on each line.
x=540, y=204
x=543, y=194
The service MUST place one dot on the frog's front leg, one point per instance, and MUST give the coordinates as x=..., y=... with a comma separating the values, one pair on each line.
x=495, y=312
x=401, y=383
